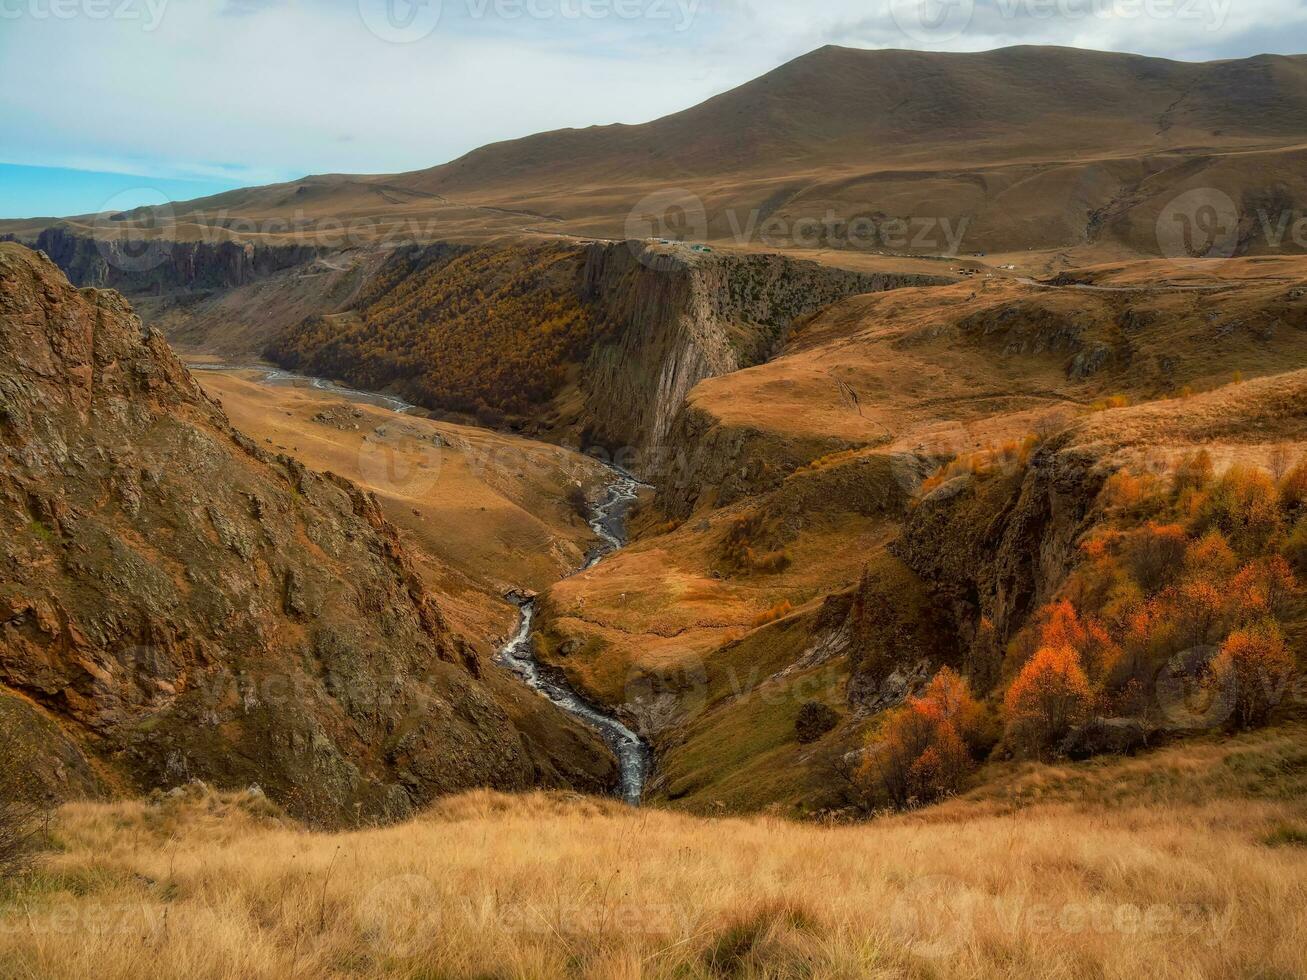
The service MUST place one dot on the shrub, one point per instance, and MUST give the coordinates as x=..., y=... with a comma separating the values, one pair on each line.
x=1049, y=698
x=1245, y=505
x=1295, y=547
x=1127, y=491
x=1201, y=607
x=814, y=720
x=1257, y=663
x=1093, y=646
x=1154, y=554
x=1293, y=488
x=779, y=611
x=1262, y=588
x=1112, y=401
x=951, y=697
x=1193, y=473
x=1210, y=556
x=919, y=758
x=740, y=553
x=923, y=754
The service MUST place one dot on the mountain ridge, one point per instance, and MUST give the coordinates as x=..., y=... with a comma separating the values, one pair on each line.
x=1027, y=143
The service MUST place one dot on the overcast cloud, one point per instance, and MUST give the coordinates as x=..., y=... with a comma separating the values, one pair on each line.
x=230, y=92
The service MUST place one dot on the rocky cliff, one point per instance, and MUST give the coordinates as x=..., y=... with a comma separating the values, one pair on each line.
x=176, y=603
x=680, y=316
x=151, y=266
x=998, y=546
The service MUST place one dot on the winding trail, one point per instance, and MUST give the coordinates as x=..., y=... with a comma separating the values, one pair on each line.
x=634, y=756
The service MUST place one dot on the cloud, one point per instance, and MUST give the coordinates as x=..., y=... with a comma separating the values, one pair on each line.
x=273, y=83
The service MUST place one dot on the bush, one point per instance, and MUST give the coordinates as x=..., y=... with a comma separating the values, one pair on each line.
x=1295, y=547
x=1257, y=663
x=1211, y=556
x=1293, y=488
x=1089, y=640
x=741, y=549
x=779, y=611
x=1245, y=505
x=1263, y=588
x=923, y=754
x=814, y=720
x=1193, y=473
x=950, y=696
x=1155, y=553
x=1049, y=698
x=919, y=759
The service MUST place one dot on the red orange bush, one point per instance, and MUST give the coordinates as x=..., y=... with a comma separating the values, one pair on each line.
x=1257, y=663
x=926, y=749
x=1050, y=696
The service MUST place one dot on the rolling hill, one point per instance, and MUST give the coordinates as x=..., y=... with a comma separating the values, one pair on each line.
x=1032, y=147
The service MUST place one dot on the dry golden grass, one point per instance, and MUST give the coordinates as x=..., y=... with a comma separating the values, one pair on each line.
x=483, y=512
x=486, y=885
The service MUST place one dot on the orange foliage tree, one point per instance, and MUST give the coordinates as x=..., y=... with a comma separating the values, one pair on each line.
x=925, y=750
x=1257, y=663
x=1050, y=696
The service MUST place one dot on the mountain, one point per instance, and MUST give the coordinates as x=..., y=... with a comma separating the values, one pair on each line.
x=1033, y=147
x=176, y=603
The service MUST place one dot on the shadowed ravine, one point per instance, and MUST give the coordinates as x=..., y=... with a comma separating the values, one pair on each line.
x=633, y=755
x=608, y=520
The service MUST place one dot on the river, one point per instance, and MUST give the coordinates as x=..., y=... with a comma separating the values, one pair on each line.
x=633, y=754
x=607, y=520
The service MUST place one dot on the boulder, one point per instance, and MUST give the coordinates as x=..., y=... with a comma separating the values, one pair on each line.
x=1107, y=736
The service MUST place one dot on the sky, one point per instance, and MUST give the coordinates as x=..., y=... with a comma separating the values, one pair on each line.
x=106, y=104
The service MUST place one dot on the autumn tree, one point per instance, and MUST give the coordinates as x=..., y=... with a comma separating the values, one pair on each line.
x=1293, y=489
x=926, y=747
x=1049, y=698
x=1244, y=504
x=1257, y=663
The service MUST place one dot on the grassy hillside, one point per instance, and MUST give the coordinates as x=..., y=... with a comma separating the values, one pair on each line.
x=491, y=332
x=1026, y=147
x=1181, y=876
x=953, y=442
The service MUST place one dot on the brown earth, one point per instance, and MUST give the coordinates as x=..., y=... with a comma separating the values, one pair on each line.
x=177, y=602
x=821, y=453
x=481, y=513
x=1026, y=148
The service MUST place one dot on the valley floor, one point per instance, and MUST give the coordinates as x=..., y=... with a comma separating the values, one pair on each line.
x=1199, y=871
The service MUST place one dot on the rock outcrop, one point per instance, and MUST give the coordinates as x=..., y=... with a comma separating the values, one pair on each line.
x=681, y=316
x=175, y=603
x=138, y=265
x=997, y=547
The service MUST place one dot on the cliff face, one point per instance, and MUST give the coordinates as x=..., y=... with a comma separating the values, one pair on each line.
x=176, y=603
x=677, y=317
x=999, y=547
x=151, y=267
